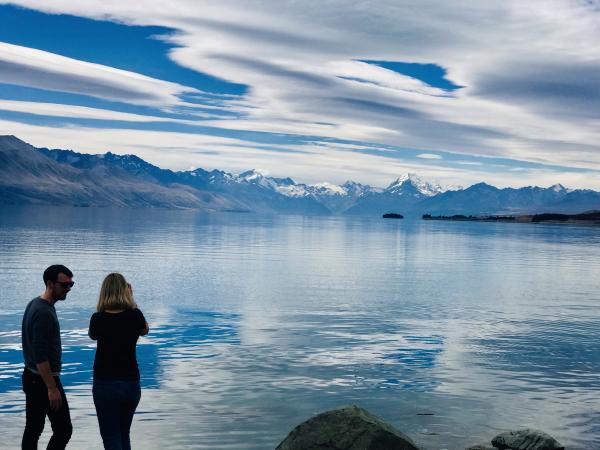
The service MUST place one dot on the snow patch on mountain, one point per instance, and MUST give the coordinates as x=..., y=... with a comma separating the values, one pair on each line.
x=328, y=189
x=294, y=190
x=357, y=190
x=560, y=189
x=412, y=184
x=258, y=177
x=323, y=192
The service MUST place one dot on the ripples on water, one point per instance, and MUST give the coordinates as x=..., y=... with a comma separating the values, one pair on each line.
x=257, y=323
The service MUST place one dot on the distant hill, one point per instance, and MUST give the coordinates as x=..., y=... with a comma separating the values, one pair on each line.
x=485, y=199
x=52, y=176
x=29, y=176
x=245, y=192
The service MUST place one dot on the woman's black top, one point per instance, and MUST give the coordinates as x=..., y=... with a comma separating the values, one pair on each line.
x=117, y=335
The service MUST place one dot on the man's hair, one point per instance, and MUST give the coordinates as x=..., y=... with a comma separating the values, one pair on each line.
x=51, y=273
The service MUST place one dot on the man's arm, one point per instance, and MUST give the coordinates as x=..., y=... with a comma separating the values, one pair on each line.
x=54, y=396
x=40, y=336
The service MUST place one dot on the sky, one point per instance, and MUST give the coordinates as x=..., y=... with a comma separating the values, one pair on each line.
x=505, y=92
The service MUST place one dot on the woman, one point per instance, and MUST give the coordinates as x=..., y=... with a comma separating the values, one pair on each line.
x=116, y=326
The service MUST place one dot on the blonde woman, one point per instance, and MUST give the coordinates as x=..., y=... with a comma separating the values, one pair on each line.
x=116, y=325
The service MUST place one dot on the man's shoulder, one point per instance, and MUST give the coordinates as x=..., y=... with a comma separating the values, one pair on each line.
x=32, y=305
x=39, y=307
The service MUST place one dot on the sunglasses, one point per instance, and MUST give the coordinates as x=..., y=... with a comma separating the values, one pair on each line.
x=65, y=284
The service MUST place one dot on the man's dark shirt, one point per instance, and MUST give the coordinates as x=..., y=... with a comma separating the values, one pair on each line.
x=117, y=335
x=40, y=334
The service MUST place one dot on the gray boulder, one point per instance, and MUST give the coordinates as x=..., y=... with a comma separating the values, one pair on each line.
x=480, y=447
x=348, y=428
x=526, y=439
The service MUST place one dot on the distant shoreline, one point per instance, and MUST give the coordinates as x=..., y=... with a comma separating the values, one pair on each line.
x=586, y=218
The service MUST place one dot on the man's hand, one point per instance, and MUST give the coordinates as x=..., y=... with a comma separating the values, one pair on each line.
x=54, y=398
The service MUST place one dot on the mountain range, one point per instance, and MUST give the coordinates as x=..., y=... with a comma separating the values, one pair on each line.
x=30, y=175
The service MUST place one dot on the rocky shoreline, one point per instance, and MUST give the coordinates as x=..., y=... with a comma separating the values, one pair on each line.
x=354, y=428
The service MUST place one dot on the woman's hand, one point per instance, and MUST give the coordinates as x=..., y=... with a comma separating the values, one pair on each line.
x=145, y=331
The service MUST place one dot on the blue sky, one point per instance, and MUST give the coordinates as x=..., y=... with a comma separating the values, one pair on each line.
x=500, y=92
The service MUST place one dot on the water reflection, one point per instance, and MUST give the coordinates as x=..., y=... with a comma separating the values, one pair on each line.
x=260, y=322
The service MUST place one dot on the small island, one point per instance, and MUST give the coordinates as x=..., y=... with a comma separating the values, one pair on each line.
x=393, y=216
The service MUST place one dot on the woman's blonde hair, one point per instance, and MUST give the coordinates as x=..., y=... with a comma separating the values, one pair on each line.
x=115, y=293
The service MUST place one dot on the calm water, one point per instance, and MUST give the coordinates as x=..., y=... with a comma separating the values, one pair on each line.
x=257, y=323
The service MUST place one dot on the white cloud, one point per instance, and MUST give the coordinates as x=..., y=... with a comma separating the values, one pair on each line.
x=469, y=163
x=429, y=156
x=82, y=112
x=39, y=69
x=525, y=67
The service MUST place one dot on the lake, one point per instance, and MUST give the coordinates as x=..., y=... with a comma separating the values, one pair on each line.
x=259, y=322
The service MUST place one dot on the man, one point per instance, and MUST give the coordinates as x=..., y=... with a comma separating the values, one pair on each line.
x=42, y=352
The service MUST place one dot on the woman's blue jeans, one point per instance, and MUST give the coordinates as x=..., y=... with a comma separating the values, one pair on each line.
x=116, y=401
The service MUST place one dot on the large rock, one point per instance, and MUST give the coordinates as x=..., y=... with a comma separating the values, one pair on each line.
x=349, y=428
x=526, y=439
x=480, y=447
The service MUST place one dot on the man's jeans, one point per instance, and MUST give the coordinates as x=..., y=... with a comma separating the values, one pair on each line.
x=116, y=401
x=37, y=407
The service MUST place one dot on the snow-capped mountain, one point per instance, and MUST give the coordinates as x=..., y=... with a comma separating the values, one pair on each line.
x=357, y=190
x=327, y=189
x=402, y=195
x=334, y=197
x=559, y=188
x=413, y=185
x=42, y=176
x=259, y=178
x=339, y=198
